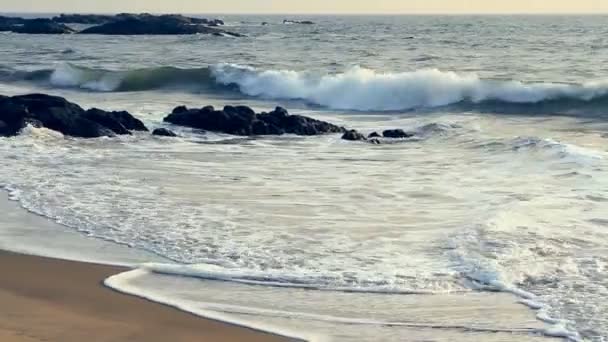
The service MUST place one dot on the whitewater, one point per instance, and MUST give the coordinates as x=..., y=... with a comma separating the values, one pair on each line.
x=489, y=224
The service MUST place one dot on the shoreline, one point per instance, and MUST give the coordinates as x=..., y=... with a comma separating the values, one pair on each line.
x=25, y=232
x=60, y=300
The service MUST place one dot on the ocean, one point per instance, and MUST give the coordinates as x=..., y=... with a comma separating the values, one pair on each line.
x=489, y=224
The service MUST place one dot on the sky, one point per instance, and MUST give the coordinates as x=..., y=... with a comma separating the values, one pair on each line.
x=308, y=6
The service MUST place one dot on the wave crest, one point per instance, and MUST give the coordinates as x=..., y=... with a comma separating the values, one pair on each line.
x=357, y=88
x=366, y=89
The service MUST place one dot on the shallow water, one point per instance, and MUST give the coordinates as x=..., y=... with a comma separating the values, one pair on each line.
x=495, y=193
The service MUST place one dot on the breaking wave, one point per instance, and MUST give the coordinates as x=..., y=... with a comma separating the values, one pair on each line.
x=355, y=89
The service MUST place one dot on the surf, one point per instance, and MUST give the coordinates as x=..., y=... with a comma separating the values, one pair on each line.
x=355, y=89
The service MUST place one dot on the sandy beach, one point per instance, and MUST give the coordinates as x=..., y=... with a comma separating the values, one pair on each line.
x=54, y=300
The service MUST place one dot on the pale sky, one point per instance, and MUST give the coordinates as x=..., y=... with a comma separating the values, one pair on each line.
x=308, y=6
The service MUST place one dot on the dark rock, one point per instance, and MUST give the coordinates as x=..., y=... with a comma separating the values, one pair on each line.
x=374, y=135
x=101, y=117
x=264, y=23
x=180, y=109
x=146, y=24
x=9, y=23
x=123, y=118
x=58, y=114
x=396, y=133
x=242, y=120
x=87, y=19
x=42, y=26
x=32, y=122
x=353, y=135
x=4, y=129
x=163, y=132
x=303, y=22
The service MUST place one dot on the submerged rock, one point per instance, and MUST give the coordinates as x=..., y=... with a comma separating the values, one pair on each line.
x=58, y=114
x=374, y=135
x=302, y=22
x=353, y=135
x=396, y=133
x=42, y=26
x=163, y=132
x=242, y=120
x=146, y=24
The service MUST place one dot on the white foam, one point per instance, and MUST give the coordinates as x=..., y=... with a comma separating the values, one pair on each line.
x=41, y=133
x=282, y=279
x=365, y=89
x=122, y=283
x=125, y=283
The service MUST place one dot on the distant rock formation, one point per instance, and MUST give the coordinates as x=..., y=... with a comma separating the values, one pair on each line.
x=95, y=19
x=58, y=114
x=42, y=26
x=120, y=24
x=242, y=120
x=7, y=23
x=86, y=19
x=146, y=24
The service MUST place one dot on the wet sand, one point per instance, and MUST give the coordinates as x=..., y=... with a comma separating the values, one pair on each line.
x=45, y=299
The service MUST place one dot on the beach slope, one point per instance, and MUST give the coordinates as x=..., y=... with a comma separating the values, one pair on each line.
x=54, y=300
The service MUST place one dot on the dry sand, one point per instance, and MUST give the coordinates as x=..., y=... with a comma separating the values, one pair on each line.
x=44, y=299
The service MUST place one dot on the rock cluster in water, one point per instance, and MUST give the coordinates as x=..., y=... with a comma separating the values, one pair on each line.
x=58, y=114
x=242, y=120
x=120, y=24
x=353, y=135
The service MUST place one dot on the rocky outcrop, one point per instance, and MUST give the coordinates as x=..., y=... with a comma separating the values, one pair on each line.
x=242, y=120
x=42, y=26
x=163, y=132
x=120, y=24
x=146, y=24
x=60, y=115
x=373, y=135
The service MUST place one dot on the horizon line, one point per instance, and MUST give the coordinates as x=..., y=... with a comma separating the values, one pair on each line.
x=317, y=13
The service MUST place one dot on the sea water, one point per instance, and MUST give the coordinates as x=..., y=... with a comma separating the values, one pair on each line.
x=489, y=224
